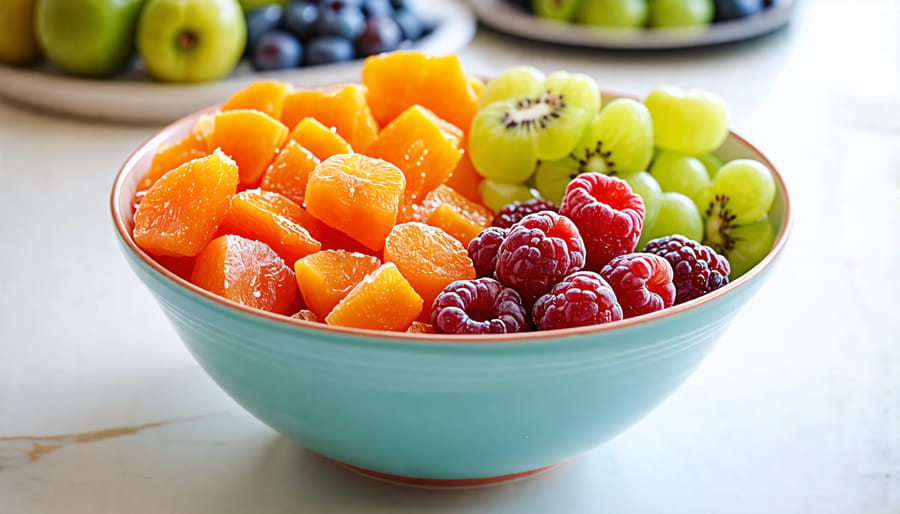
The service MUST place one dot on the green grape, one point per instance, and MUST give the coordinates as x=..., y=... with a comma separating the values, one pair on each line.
x=680, y=13
x=691, y=121
x=509, y=136
x=746, y=246
x=495, y=194
x=680, y=173
x=618, y=139
x=613, y=13
x=677, y=215
x=712, y=162
x=646, y=186
x=561, y=10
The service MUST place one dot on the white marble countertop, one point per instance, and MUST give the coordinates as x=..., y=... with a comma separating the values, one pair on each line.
x=797, y=410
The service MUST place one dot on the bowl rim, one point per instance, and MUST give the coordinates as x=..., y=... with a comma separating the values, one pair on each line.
x=519, y=338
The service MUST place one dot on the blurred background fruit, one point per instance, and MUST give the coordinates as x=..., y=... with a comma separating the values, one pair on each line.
x=643, y=13
x=91, y=38
x=18, y=41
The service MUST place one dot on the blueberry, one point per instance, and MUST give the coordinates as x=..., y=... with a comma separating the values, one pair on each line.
x=260, y=20
x=341, y=18
x=735, y=9
x=328, y=49
x=372, y=8
x=299, y=18
x=382, y=34
x=277, y=50
x=410, y=24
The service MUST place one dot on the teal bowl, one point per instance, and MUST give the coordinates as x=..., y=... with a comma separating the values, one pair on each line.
x=433, y=409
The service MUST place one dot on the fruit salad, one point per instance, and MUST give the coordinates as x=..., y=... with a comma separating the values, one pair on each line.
x=453, y=205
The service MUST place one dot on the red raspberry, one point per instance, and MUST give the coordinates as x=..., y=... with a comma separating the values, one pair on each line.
x=537, y=253
x=607, y=213
x=697, y=269
x=480, y=306
x=583, y=298
x=483, y=248
x=642, y=282
x=511, y=214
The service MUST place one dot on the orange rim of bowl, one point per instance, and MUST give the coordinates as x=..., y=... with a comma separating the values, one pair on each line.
x=128, y=169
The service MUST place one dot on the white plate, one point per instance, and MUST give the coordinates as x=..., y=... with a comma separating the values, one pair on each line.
x=134, y=99
x=502, y=16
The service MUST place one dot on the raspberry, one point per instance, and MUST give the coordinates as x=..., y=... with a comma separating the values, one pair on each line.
x=582, y=298
x=697, y=269
x=512, y=213
x=642, y=282
x=607, y=213
x=483, y=250
x=538, y=252
x=479, y=306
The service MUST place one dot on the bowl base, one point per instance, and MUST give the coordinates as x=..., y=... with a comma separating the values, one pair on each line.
x=442, y=483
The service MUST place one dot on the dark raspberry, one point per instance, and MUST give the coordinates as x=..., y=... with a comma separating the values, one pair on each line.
x=607, y=213
x=583, y=298
x=697, y=269
x=642, y=282
x=483, y=250
x=514, y=212
x=480, y=306
x=538, y=252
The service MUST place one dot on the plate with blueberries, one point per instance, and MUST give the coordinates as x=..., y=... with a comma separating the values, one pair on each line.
x=635, y=24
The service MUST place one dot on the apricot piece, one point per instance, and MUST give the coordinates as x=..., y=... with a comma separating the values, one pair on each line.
x=170, y=156
x=383, y=300
x=465, y=180
x=358, y=195
x=322, y=141
x=289, y=172
x=180, y=213
x=425, y=147
x=262, y=95
x=399, y=80
x=245, y=271
x=327, y=276
x=344, y=107
x=272, y=219
x=252, y=138
x=428, y=258
x=455, y=214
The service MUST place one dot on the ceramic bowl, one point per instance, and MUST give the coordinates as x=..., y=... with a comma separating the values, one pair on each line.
x=437, y=409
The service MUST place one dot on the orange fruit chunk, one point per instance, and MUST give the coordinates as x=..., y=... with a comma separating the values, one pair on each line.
x=250, y=137
x=383, y=300
x=399, y=80
x=465, y=180
x=358, y=195
x=454, y=223
x=262, y=95
x=170, y=156
x=322, y=141
x=245, y=271
x=344, y=107
x=272, y=219
x=180, y=213
x=289, y=172
x=428, y=258
x=425, y=147
x=327, y=276
x=457, y=215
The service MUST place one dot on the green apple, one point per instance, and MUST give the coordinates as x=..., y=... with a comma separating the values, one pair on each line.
x=681, y=13
x=613, y=13
x=191, y=40
x=249, y=5
x=92, y=38
x=18, y=42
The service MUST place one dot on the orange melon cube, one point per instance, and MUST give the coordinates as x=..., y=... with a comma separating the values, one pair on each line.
x=426, y=148
x=170, y=156
x=383, y=300
x=465, y=180
x=247, y=272
x=289, y=172
x=455, y=214
x=454, y=223
x=179, y=215
x=326, y=277
x=428, y=258
x=358, y=195
x=270, y=218
x=344, y=107
x=266, y=96
x=399, y=80
x=250, y=137
x=322, y=141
